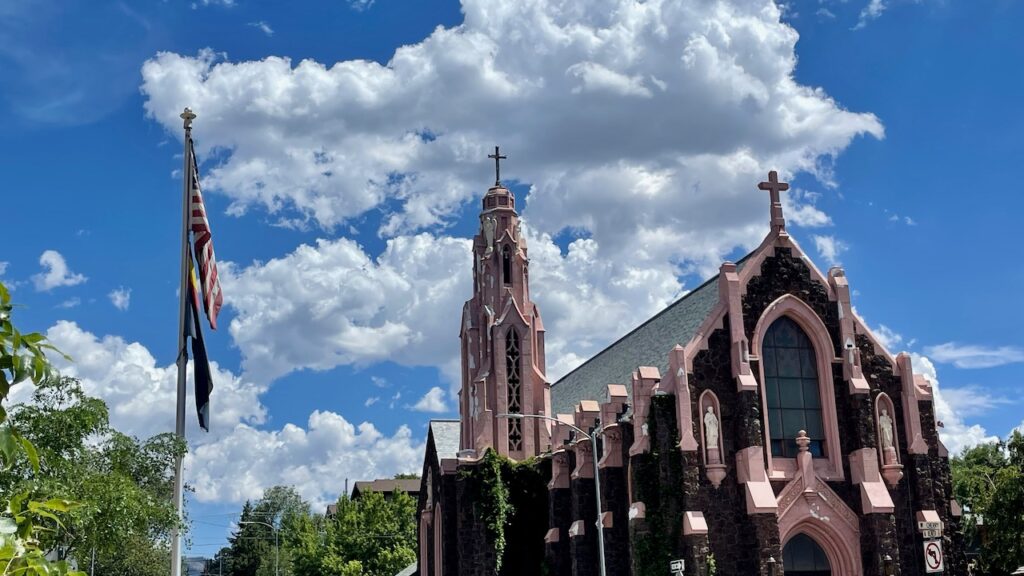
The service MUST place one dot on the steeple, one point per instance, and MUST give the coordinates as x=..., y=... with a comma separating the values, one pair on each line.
x=502, y=338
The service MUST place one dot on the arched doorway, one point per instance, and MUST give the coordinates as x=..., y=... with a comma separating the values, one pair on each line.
x=802, y=556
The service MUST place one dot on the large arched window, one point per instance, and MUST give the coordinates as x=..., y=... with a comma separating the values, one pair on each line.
x=791, y=386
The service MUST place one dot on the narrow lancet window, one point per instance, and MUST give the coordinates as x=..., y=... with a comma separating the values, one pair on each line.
x=512, y=362
x=791, y=383
x=506, y=264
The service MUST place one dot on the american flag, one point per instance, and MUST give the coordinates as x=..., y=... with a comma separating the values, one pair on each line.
x=200, y=226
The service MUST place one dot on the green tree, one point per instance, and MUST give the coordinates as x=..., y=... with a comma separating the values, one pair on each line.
x=125, y=485
x=252, y=549
x=988, y=480
x=371, y=536
x=24, y=520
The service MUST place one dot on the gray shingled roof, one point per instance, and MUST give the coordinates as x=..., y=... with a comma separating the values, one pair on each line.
x=647, y=345
x=446, y=438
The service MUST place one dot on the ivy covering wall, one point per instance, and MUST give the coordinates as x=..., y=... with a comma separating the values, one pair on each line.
x=510, y=500
x=653, y=473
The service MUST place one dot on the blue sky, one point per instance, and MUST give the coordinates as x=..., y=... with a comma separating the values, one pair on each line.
x=341, y=180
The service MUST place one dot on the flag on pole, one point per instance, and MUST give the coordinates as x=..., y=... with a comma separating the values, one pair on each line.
x=200, y=227
x=200, y=363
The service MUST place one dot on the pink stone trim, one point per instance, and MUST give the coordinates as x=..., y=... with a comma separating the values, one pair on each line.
x=637, y=511
x=750, y=472
x=911, y=411
x=552, y=536
x=578, y=528
x=426, y=531
x=831, y=467
x=612, y=449
x=874, y=497
x=561, y=431
x=694, y=523
x=852, y=371
x=678, y=382
x=584, y=460
x=644, y=381
x=559, y=470
x=606, y=520
x=821, y=514
x=955, y=509
x=438, y=542
x=729, y=293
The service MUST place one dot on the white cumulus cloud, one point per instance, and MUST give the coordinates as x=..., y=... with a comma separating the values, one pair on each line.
x=975, y=356
x=830, y=248
x=955, y=433
x=121, y=297
x=56, y=272
x=316, y=457
x=646, y=124
x=432, y=401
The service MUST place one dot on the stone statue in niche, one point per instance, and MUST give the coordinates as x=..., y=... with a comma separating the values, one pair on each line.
x=713, y=466
x=711, y=428
x=488, y=225
x=885, y=423
x=892, y=470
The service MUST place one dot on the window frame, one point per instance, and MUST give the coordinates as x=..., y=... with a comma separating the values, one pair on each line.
x=830, y=466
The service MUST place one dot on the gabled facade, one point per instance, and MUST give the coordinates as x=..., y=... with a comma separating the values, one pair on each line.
x=756, y=425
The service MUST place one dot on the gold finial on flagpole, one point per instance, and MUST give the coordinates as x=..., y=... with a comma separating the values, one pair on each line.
x=188, y=117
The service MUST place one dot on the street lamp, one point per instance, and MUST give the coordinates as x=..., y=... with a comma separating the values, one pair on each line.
x=597, y=475
x=277, y=547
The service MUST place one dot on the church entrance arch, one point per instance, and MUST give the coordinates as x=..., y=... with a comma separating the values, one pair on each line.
x=802, y=556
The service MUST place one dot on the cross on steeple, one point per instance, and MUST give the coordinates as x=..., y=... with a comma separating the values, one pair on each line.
x=497, y=165
x=774, y=187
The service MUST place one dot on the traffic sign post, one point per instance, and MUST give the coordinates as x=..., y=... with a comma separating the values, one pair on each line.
x=933, y=559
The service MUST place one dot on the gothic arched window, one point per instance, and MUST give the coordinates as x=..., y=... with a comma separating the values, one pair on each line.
x=791, y=385
x=512, y=372
x=506, y=264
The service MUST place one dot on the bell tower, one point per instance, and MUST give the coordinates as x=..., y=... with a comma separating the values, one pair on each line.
x=502, y=338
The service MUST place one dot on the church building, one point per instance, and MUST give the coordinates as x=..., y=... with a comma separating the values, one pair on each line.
x=754, y=427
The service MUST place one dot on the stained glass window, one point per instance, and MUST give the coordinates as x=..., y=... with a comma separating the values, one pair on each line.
x=791, y=385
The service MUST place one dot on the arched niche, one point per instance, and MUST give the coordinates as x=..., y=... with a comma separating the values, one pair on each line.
x=889, y=457
x=711, y=448
x=884, y=405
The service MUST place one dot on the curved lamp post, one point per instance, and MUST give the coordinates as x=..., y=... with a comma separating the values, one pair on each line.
x=277, y=546
x=597, y=475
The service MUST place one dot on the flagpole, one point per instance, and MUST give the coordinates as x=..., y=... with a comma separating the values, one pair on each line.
x=182, y=360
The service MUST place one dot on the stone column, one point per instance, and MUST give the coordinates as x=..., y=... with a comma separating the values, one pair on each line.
x=614, y=502
x=560, y=515
x=583, y=530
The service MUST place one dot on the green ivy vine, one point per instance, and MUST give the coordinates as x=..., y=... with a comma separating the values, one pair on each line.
x=493, y=477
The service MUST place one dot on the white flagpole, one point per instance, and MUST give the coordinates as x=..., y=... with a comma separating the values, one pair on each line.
x=182, y=361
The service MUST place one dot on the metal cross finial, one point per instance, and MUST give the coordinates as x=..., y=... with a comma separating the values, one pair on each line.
x=188, y=117
x=774, y=187
x=497, y=165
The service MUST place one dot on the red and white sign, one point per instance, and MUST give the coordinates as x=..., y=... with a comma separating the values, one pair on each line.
x=933, y=561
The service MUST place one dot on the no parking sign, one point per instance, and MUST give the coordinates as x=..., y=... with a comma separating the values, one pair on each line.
x=933, y=561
